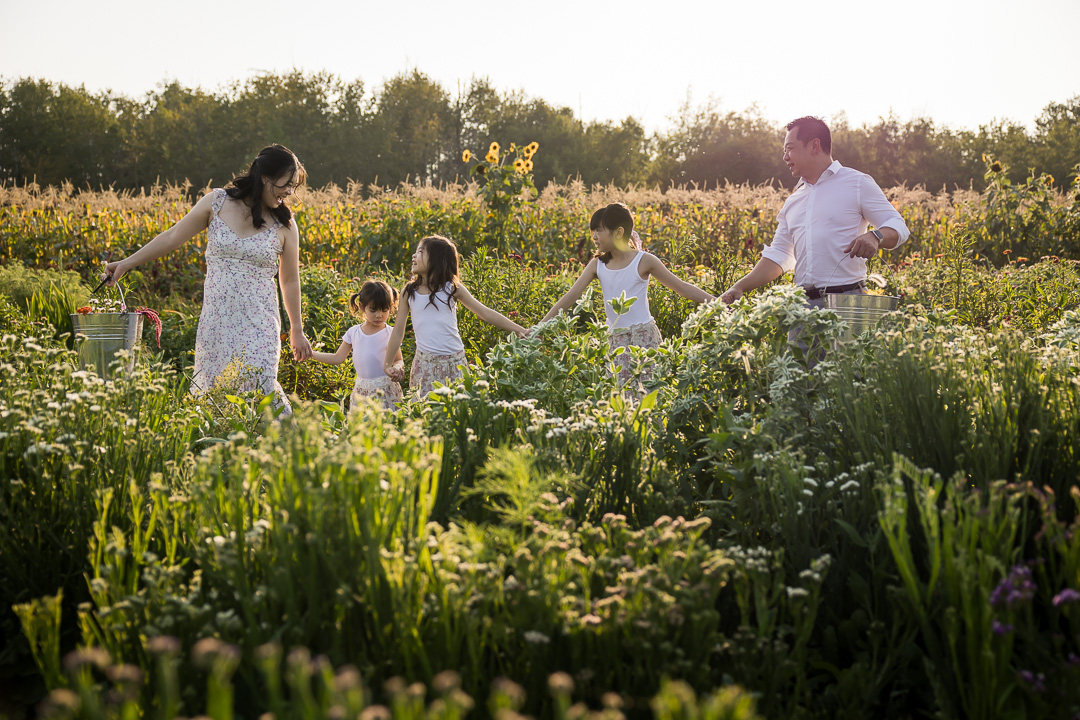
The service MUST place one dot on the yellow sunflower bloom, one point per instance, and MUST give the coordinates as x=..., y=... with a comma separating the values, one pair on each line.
x=519, y=165
x=528, y=166
x=526, y=152
x=492, y=157
x=494, y=148
x=466, y=156
x=533, y=147
x=513, y=147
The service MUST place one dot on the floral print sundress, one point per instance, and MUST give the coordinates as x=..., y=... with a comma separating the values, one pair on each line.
x=240, y=323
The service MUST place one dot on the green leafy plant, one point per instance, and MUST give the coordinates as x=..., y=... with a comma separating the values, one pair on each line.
x=505, y=186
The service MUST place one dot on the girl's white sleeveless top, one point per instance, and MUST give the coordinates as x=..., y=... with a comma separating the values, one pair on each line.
x=615, y=282
x=368, y=351
x=436, y=325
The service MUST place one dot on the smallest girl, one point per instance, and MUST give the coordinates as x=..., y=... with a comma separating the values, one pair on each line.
x=367, y=343
x=431, y=298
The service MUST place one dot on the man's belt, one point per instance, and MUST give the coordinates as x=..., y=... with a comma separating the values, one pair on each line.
x=814, y=293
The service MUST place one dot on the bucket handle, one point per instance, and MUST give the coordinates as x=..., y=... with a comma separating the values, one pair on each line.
x=833, y=273
x=123, y=302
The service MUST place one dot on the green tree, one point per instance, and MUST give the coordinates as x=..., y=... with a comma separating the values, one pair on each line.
x=304, y=112
x=708, y=147
x=616, y=154
x=1008, y=142
x=412, y=132
x=184, y=134
x=52, y=133
x=560, y=134
x=1058, y=140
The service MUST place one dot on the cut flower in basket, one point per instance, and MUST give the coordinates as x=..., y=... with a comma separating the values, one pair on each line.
x=102, y=305
x=155, y=320
x=878, y=280
x=108, y=305
x=105, y=305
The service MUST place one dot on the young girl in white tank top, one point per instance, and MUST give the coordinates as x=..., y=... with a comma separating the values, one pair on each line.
x=624, y=268
x=431, y=299
x=367, y=344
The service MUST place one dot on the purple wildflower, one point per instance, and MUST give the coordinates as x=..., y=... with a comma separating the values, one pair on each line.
x=1068, y=595
x=1036, y=681
x=1001, y=628
x=1015, y=589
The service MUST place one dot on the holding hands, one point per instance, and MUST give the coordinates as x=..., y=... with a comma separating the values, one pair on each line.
x=731, y=295
x=301, y=348
x=396, y=371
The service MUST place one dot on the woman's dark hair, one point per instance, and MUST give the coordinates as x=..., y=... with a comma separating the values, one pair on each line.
x=442, y=262
x=375, y=294
x=615, y=215
x=276, y=163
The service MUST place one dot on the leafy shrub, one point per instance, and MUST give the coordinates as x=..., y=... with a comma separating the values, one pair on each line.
x=71, y=447
x=48, y=295
x=955, y=400
x=337, y=553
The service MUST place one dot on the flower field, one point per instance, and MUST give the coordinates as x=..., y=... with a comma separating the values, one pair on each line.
x=892, y=534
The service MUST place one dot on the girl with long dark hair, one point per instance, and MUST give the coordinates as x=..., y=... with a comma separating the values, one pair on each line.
x=431, y=298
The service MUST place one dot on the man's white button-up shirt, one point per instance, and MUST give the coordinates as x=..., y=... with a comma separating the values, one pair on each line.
x=818, y=221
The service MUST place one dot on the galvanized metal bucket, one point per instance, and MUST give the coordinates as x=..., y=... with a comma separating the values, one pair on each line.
x=860, y=313
x=106, y=334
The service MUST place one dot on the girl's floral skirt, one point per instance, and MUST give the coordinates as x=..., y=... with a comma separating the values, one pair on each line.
x=642, y=335
x=382, y=388
x=428, y=369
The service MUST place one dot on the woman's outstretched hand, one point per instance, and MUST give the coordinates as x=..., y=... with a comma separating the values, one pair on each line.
x=301, y=348
x=115, y=270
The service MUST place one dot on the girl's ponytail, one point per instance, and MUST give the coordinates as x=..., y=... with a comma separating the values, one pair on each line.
x=355, y=306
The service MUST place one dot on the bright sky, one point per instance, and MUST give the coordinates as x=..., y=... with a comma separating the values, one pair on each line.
x=963, y=63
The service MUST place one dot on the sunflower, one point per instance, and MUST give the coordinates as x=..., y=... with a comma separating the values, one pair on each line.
x=528, y=166
x=492, y=157
x=494, y=148
x=513, y=147
x=533, y=147
x=519, y=165
x=466, y=156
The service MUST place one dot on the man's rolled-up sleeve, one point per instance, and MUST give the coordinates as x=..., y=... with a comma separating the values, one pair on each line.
x=879, y=212
x=781, y=250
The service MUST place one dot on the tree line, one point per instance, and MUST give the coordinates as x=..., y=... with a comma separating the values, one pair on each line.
x=412, y=129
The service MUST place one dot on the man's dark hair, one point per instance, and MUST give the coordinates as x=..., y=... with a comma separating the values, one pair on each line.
x=808, y=128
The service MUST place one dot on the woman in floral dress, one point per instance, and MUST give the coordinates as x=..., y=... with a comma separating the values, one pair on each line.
x=252, y=236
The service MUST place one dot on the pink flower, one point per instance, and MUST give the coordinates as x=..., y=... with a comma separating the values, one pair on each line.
x=1068, y=595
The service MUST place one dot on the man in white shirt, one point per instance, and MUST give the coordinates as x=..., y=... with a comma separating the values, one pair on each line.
x=822, y=232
